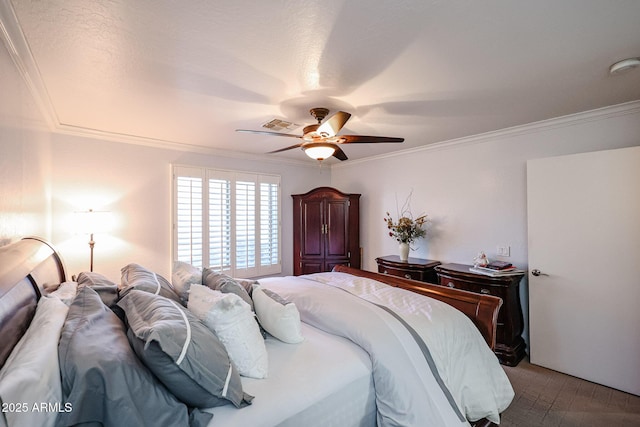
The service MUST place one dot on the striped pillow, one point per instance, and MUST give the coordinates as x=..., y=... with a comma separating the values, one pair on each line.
x=183, y=353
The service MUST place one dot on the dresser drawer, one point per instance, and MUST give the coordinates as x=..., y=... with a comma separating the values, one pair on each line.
x=414, y=275
x=465, y=285
x=422, y=270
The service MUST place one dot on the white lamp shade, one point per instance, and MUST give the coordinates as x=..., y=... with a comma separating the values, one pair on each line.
x=91, y=222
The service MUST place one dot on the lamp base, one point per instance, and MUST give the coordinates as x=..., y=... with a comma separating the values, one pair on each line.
x=92, y=243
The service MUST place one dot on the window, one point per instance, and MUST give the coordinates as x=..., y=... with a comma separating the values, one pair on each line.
x=226, y=220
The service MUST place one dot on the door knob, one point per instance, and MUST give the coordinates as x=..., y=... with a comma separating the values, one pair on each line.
x=537, y=272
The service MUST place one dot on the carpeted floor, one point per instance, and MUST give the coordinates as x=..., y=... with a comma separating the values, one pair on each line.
x=549, y=398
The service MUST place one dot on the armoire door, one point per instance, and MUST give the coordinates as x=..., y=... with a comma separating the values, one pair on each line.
x=336, y=231
x=312, y=229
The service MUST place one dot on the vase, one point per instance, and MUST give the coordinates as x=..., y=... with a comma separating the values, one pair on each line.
x=404, y=251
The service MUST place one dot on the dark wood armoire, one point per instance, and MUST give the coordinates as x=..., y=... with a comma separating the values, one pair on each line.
x=326, y=230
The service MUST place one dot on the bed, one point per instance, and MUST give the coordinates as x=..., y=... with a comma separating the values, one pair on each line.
x=344, y=348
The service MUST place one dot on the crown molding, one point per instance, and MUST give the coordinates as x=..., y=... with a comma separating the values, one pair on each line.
x=172, y=145
x=631, y=107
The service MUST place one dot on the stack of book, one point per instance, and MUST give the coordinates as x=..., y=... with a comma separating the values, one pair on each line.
x=497, y=269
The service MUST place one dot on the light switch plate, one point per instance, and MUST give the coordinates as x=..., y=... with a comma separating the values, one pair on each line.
x=503, y=251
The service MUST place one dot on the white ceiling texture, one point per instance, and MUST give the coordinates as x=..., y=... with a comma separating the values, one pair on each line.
x=188, y=73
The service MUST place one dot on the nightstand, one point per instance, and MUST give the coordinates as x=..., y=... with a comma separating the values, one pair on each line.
x=415, y=268
x=510, y=346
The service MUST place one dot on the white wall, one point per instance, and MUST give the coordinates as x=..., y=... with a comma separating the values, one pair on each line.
x=133, y=182
x=25, y=161
x=474, y=190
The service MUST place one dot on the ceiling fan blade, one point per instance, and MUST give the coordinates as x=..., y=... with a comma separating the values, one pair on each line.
x=285, y=149
x=333, y=124
x=264, y=132
x=356, y=139
x=339, y=154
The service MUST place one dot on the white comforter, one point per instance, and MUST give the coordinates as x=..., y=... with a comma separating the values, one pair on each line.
x=457, y=376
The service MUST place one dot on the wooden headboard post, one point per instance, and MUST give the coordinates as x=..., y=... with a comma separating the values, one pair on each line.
x=27, y=267
x=481, y=309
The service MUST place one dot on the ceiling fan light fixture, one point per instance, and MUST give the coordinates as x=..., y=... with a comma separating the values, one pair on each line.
x=321, y=140
x=319, y=150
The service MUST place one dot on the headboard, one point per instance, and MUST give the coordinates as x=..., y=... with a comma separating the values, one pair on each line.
x=27, y=267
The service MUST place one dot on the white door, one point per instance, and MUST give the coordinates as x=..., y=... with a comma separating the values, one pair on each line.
x=584, y=238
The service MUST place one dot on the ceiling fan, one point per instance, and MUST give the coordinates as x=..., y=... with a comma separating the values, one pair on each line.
x=321, y=140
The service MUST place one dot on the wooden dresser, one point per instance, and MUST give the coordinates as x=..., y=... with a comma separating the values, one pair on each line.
x=510, y=346
x=326, y=230
x=414, y=268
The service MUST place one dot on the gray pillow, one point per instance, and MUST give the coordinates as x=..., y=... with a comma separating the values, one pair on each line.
x=103, y=380
x=183, y=342
x=107, y=290
x=170, y=374
x=182, y=277
x=225, y=284
x=135, y=276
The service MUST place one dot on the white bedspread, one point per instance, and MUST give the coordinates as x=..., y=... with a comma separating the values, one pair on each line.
x=407, y=392
x=323, y=381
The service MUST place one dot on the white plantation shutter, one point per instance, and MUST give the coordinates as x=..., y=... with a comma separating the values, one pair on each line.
x=229, y=221
x=220, y=221
x=188, y=228
x=269, y=224
x=245, y=216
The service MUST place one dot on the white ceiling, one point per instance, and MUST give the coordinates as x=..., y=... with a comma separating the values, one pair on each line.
x=191, y=72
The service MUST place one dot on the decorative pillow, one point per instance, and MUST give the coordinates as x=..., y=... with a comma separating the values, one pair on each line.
x=66, y=292
x=102, y=379
x=277, y=316
x=233, y=322
x=225, y=284
x=135, y=276
x=184, y=275
x=201, y=358
x=107, y=290
x=31, y=376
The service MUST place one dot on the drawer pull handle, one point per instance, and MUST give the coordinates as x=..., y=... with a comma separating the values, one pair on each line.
x=451, y=285
x=485, y=291
x=407, y=276
x=385, y=272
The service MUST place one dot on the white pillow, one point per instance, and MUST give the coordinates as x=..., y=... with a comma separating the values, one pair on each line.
x=31, y=374
x=277, y=316
x=66, y=292
x=183, y=276
x=232, y=320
